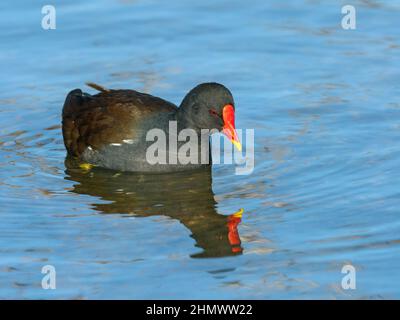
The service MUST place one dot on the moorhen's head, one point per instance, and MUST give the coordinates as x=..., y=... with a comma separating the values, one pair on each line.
x=211, y=106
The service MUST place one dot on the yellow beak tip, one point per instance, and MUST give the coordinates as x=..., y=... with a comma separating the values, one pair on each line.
x=237, y=144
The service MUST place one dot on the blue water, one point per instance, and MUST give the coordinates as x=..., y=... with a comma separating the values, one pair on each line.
x=324, y=104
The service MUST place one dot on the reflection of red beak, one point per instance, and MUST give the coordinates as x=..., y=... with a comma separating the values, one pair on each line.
x=233, y=233
x=228, y=115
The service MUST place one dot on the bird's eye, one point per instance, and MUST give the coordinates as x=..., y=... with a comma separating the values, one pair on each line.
x=213, y=112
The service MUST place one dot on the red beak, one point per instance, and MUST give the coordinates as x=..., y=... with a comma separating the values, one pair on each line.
x=228, y=115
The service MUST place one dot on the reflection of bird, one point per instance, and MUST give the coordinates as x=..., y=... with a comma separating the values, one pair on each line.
x=186, y=197
x=109, y=129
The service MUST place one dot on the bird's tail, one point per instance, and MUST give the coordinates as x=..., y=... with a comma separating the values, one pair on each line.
x=97, y=87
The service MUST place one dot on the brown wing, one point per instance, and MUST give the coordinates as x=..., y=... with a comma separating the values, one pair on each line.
x=107, y=117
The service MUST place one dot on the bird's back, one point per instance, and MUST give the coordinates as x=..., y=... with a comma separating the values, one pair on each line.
x=109, y=117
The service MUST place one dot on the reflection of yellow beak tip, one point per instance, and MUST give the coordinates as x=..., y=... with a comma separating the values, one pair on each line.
x=238, y=214
x=237, y=144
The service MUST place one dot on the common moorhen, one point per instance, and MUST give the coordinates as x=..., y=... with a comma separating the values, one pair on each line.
x=109, y=129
